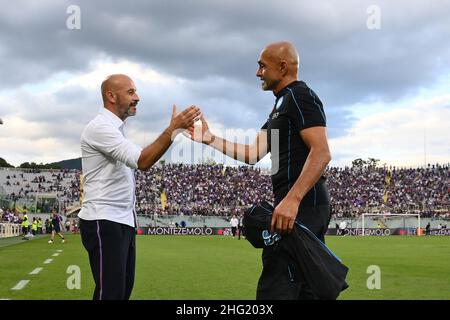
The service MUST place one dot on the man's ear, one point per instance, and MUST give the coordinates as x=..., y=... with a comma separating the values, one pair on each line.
x=111, y=97
x=284, y=67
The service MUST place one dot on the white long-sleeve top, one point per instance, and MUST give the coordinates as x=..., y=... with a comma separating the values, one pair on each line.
x=108, y=161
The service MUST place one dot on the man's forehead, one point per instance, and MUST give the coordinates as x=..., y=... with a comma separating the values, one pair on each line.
x=264, y=56
x=127, y=84
x=131, y=84
x=261, y=58
x=126, y=81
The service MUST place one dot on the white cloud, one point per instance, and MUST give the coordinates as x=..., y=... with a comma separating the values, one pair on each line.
x=47, y=119
x=48, y=93
x=100, y=69
x=94, y=78
x=392, y=133
x=402, y=136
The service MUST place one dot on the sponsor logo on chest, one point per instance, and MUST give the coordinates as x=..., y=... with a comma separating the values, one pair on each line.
x=277, y=108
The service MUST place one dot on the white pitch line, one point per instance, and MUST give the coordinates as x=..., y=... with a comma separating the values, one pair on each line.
x=59, y=251
x=20, y=285
x=48, y=261
x=36, y=271
x=55, y=254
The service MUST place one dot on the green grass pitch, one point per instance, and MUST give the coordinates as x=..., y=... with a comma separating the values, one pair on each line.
x=222, y=268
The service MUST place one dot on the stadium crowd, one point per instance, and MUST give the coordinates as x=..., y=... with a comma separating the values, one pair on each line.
x=371, y=190
x=201, y=189
x=25, y=184
x=211, y=189
x=8, y=215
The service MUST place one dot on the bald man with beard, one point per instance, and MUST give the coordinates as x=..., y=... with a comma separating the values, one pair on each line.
x=295, y=134
x=107, y=217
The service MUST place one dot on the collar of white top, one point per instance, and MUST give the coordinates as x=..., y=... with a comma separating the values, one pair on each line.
x=115, y=120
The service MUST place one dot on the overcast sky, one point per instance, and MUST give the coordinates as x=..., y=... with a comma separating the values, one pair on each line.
x=381, y=69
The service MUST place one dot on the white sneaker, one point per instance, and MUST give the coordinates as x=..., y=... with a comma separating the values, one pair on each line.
x=63, y=240
x=50, y=241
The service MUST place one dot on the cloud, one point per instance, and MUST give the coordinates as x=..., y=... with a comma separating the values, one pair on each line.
x=402, y=136
x=205, y=52
x=344, y=60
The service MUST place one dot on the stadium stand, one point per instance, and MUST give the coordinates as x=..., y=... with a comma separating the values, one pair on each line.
x=215, y=190
x=22, y=186
x=377, y=190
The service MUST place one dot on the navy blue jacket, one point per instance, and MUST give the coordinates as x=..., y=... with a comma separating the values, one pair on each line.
x=323, y=271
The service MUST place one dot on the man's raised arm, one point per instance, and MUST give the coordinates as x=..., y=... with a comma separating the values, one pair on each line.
x=248, y=153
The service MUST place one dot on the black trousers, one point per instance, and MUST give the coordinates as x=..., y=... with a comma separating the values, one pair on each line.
x=281, y=279
x=112, y=255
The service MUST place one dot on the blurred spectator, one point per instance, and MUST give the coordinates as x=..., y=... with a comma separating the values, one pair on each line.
x=205, y=189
